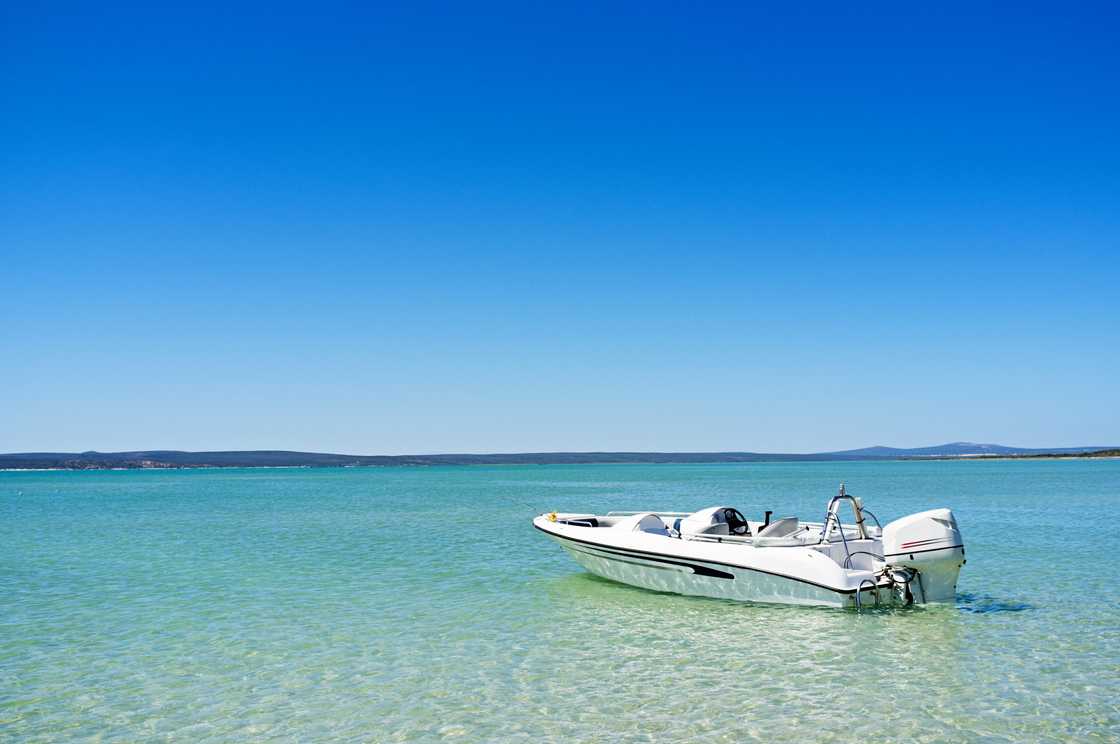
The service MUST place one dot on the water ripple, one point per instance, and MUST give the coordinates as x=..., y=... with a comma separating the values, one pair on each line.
x=404, y=605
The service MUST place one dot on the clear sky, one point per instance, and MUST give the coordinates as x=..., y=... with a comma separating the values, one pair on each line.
x=486, y=227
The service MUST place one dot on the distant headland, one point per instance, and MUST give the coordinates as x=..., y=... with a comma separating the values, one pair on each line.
x=159, y=459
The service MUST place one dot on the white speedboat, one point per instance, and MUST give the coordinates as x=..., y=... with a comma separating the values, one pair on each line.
x=717, y=552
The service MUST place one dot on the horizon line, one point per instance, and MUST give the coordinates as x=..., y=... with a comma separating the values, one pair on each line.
x=494, y=453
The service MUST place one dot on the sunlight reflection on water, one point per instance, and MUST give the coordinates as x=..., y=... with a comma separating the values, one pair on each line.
x=419, y=605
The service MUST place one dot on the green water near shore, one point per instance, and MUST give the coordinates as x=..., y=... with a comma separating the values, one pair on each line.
x=417, y=604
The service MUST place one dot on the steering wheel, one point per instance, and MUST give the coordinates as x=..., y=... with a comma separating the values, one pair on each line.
x=736, y=522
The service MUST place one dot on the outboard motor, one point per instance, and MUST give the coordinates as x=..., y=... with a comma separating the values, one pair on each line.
x=930, y=544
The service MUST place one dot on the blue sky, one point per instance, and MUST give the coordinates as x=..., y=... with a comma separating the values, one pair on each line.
x=483, y=227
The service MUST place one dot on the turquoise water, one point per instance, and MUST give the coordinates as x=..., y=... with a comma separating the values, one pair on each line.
x=419, y=605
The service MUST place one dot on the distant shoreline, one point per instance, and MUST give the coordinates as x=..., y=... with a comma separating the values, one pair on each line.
x=1102, y=455
x=173, y=460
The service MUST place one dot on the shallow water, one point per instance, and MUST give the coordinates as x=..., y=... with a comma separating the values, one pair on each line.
x=417, y=604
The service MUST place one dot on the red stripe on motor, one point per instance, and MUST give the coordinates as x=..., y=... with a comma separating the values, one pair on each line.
x=922, y=542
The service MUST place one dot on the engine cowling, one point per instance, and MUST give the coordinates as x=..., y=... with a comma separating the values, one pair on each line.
x=930, y=543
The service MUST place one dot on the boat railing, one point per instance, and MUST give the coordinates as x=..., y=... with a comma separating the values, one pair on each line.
x=826, y=532
x=851, y=529
x=656, y=513
x=854, y=553
x=859, y=591
x=742, y=539
x=832, y=519
x=865, y=510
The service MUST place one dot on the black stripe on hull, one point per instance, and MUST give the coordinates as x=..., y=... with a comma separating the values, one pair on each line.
x=635, y=553
x=696, y=569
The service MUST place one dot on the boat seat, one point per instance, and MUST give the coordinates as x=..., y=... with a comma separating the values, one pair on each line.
x=646, y=522
x=780, y=528
x=797, y=539
x=719, y=528
x=785, y=533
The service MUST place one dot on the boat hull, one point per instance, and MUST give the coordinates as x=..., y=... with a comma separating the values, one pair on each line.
x=697, y=577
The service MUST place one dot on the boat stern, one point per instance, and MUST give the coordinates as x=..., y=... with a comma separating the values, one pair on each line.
x=930, y=544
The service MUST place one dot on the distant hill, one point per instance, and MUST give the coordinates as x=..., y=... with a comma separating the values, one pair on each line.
x=955, y=449
x=281, y=458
